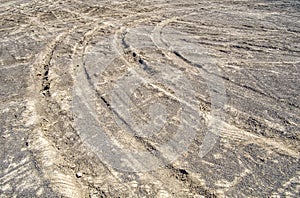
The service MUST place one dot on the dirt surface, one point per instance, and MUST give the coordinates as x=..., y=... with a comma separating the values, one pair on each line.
x=145, y=98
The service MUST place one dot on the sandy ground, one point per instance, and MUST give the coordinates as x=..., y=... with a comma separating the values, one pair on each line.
x=145, y=98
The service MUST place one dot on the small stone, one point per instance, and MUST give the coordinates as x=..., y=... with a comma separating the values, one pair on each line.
x=79, y=174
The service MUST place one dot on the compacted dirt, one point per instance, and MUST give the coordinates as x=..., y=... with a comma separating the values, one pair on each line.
x=143, y=98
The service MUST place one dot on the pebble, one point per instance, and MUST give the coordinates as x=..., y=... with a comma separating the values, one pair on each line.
x=79, y=174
